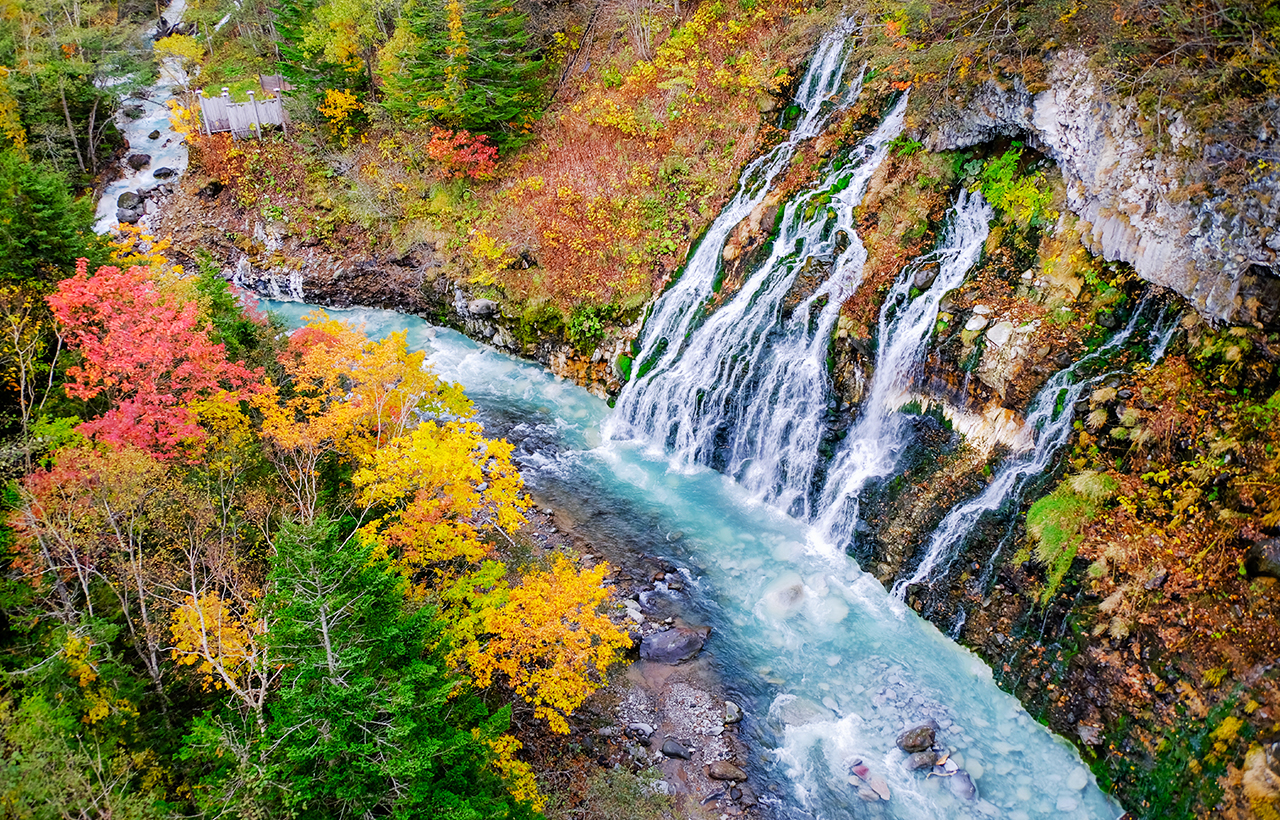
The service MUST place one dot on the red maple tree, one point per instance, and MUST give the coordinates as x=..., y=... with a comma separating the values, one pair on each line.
x=147, y=353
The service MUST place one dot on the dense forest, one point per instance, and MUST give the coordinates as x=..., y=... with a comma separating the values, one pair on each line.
x=259, y=573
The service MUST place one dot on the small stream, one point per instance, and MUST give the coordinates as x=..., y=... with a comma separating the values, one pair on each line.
x=168, y=150
x=828, y=665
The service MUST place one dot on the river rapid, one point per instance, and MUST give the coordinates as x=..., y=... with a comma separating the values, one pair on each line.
x=829, y=667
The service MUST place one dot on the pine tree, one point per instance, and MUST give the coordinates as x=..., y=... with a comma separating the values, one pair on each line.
x=369, y=721
x=42, y=228
x=307, y=72
x=464, y=64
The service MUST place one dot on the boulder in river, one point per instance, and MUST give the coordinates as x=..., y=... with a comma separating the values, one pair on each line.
x=164, y=173
x=922, y=760
x=732, y=712
x=674, y=645
x=154, y=135
x=916, y=739
x=962, y=785
x=127, y=216
x=672, y=748
x=724, y=770
x=138, y=161
x=925, y=276
x=128, y=201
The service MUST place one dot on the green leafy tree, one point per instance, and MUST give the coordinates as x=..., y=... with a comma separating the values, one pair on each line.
x=71, y=70
x=464, y=64
x=312, y=61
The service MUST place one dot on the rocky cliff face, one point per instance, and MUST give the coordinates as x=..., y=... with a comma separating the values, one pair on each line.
x=1222, y=252
x=268, y=259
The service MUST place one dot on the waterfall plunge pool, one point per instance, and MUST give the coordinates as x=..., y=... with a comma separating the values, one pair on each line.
x=828, y=666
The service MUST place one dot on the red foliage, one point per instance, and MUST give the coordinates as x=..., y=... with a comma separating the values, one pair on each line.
x=146, y=352
x=462, y=153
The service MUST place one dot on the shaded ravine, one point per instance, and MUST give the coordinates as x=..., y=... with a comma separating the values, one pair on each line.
x=829, y=666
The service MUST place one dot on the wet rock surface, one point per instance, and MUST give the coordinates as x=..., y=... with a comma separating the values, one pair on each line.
x=1127, y=192
x=671, y=720
x=917, y=739
x=674, y=645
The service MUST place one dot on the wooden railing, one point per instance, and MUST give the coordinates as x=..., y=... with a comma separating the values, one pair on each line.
x=244, y=119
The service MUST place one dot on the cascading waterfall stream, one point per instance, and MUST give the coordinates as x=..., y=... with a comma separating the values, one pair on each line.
x=819, y=95
x=747, y=390
x=1051, y=416
x=751, y=376
x=905, y=326
x=168, y=150
x=828, y=667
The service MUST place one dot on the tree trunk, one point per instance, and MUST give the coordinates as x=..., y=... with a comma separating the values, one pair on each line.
x=93, y=141
x=71, y=129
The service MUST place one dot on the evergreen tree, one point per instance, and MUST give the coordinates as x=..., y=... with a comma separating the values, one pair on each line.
x=464, y=64
x=43, y=229
x=368, y=720
x=309, y=73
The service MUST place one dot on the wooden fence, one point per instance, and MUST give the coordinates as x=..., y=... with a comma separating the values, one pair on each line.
x=244, y=119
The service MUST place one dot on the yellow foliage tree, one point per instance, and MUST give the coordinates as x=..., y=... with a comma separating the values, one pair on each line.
x=547, y=637
x=183, y=48
x=443, y=482
x=10, y=116
x=522, y=782
x=225, y=650
x=345, y=395
x=23, y=342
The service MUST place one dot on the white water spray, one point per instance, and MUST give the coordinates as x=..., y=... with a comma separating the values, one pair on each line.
x=821, y=92
x=750, y=385
x=871, y=449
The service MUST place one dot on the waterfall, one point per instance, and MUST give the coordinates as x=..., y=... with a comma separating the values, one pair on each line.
x=746, y=391
x=828, y=667
x=651, y=406
x=1051, y=416
x=750, y=385
x=871, y=448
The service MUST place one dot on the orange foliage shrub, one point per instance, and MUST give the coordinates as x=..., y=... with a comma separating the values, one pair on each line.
x=642, y=157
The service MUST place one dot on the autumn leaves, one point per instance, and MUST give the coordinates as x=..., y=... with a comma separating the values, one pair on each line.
x=314, y=532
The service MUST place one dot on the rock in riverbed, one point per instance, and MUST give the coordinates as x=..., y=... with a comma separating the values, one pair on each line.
x=674, y=645
x=671, y=748
x=917, y=739
x=724, y=770
x=922, y=760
